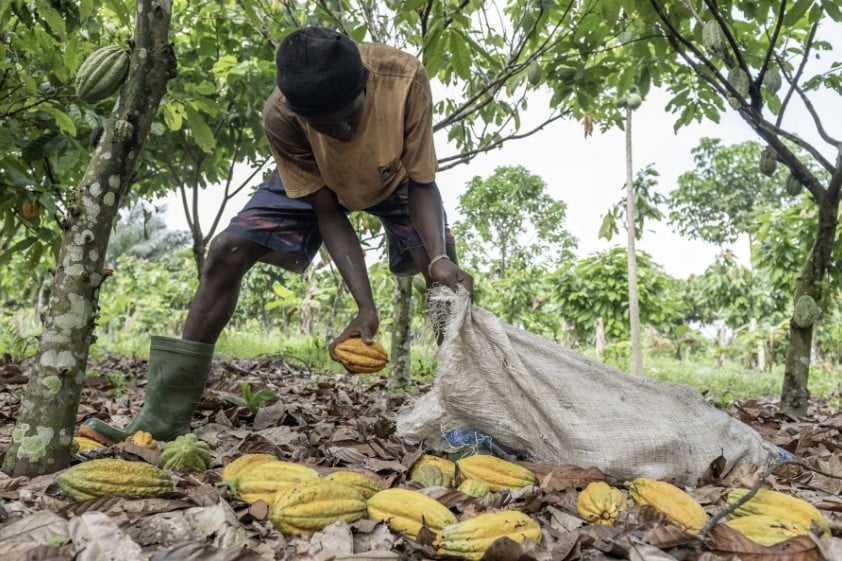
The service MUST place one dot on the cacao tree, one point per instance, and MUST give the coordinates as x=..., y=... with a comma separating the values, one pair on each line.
x=597, y=285
x=45, y=426
x=761, y=59
x=720, y=198
x=509, y=221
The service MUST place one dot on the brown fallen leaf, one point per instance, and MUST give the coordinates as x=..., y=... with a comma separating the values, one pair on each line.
x=563, y=477
x=800, y=548
x=201, y=551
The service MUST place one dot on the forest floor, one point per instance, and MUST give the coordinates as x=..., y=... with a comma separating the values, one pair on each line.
x=332, y=422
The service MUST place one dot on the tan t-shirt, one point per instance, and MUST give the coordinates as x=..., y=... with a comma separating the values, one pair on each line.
x=394, y=139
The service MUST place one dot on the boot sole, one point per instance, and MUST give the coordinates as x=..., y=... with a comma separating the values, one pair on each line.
x=88, y=432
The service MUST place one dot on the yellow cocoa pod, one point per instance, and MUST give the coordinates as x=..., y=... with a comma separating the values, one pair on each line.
x=110, y=477
x=780, y=506
x=364, y=486
x=498, y=473
x=471, y=538
x=143, y=439
x=309, y=507
x=677, y=505
x=474, y=488
x=234, y=469
x=407, y=511
x=86, y=443
x=599, y=503
x=357, y=356
x=766, y=530
x=262, y=482
x=447, y=467
x=431, y=476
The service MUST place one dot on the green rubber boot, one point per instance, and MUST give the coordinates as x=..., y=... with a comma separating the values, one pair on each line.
x=178, y=371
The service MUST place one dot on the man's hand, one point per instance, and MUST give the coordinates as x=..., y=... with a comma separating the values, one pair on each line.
x=447, y=273
x=364, y=326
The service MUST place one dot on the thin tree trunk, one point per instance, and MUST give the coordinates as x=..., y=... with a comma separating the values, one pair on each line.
x=199, y=250
x=795, y=396
x=634, y=305
x=43, y=435
x=599, y=338
x=761, y=348
x=402, y=320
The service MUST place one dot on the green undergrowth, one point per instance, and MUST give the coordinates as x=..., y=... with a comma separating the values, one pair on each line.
x=720, y=383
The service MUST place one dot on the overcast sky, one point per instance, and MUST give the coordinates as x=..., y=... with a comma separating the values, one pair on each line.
x=588, y=174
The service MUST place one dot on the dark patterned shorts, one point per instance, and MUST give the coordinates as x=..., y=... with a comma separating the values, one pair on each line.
x=286, y=225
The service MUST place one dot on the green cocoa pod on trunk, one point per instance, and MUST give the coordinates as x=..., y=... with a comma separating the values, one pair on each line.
x=102, y=73
x=806, y=311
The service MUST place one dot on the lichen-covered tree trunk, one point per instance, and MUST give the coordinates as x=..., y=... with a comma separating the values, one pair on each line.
x=402, y=318
x=43, y=435
x=795, y=395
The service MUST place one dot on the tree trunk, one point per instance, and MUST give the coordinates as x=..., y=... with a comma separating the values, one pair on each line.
x=634, y=305
x=761, y=348
x=795, y=395
x=308, y=305
x=722, y=341
x=43, y=435
x=599, y=338
x=402, y=320
x=199, y=250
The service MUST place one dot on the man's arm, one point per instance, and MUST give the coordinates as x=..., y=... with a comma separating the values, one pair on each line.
x=427, y=214
x=345, y=250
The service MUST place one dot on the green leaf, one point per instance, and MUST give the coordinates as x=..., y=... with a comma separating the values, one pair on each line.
x=201, y=131
x=120, y=9
x=86, y=8
x=460, y=55
x=206, y=88
x=63, y=120
x=796, y=11
x=54, y=20
x=224, y=65
x=833, y=9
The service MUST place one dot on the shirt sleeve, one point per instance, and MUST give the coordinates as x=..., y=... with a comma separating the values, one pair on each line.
x=419, y=152
x=291, y=150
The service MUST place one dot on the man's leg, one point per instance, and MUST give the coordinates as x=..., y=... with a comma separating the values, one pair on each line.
x=229, y=259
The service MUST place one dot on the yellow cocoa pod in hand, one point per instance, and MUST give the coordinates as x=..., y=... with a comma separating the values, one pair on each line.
x=680, y=507
x=599, y=503
x=780, y=506
x=359, y=357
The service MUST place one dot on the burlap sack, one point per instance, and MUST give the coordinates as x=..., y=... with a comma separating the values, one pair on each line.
x=561, y=407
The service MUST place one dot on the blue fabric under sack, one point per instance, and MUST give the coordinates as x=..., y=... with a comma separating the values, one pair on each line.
x=472, y=438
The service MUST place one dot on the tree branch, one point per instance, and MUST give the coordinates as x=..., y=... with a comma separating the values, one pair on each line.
x=464, y=157
x=793, y=80
x=753, y=491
